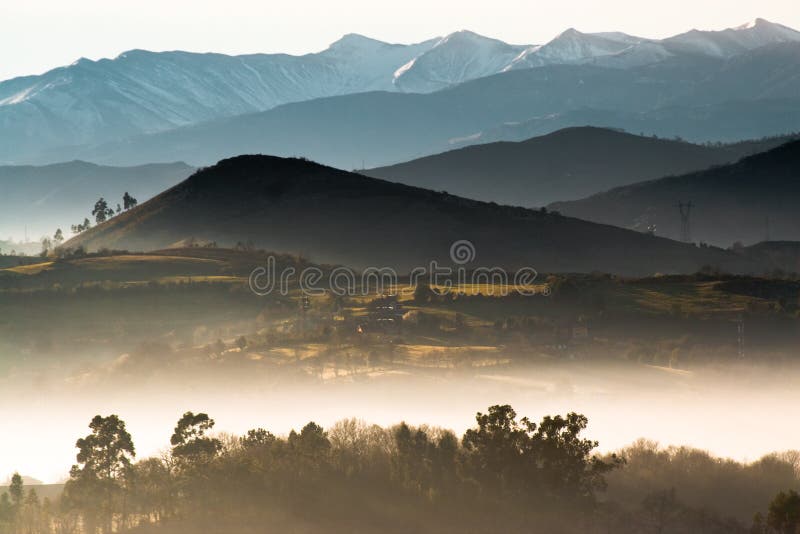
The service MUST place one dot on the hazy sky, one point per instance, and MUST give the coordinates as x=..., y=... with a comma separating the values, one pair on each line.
x=37, y=35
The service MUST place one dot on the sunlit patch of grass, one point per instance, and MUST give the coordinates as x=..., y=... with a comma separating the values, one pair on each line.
x=701, y=298
x=491, y=290
x=450, y=316
x=33, y=269
x=426, y=351
x=191, y=279
x=142, y=261
x=296, y=353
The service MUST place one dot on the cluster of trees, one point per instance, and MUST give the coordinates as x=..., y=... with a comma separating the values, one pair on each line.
x=500, y=465
x=680, y=485
x=504, y=475
x=102, y=212
x=783, y=516
x=22, y=511
x=49, y=244
x=81, y=227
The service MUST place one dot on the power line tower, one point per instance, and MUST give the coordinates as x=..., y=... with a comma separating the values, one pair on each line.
x=685, y=211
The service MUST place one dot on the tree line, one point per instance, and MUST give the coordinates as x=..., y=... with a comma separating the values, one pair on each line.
x=505, y=474
x=101, y=212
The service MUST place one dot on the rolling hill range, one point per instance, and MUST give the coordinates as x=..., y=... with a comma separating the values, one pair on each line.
x=141, y=92
x=331, y=216
x=743, y=201
x=726, y=122
x=564, y=165
x=41, y=199
x=380, y=128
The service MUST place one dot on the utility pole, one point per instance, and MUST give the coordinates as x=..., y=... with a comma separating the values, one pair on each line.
x=305, y=305
x=740, y=335
x=685, y=211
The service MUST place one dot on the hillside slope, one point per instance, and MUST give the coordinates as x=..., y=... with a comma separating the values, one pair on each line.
x=747, y=201
x=565, y=165
x=726, y=122
x=331, y=216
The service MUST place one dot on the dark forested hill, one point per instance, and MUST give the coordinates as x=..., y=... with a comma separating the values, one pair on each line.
x=332, y=216
x=748, y=201
x=564, y=165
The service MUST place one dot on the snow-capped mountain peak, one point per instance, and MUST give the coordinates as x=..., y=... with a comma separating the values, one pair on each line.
x=463, y=37
x=761, y=32
x=457, y=57
x=732, y=41
x=572, y=46
x=569, y=33
x=366, y=64
x=354, y=43
x=141, y=91
x=750, y=25
x=80, y=61
x=620, y=37
x=466, y=40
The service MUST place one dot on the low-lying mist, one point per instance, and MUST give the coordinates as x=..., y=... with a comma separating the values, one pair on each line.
x=739, y=410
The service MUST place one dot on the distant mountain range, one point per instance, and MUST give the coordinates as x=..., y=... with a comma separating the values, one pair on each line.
x=38, y=200
x=749, y=201
x=382, y=128
x=90, y=107
x=565, y=165
x=331, y=216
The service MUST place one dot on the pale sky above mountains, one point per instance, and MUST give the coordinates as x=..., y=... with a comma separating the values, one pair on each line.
x=38, y=36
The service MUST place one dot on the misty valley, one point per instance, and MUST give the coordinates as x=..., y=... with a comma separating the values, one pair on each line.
x=454, y=286
x=653, y=358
